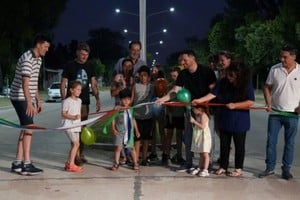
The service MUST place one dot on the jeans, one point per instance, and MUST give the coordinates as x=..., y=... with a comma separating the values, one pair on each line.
x=290, y=124
x=187, y=137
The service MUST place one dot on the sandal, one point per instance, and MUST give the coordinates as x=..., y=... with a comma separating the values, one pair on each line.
x=236, y=173
x=220, y=171
x=115, y=167
x=136, y=167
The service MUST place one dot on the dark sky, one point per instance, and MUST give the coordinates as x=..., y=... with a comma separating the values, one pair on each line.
x=191, y=17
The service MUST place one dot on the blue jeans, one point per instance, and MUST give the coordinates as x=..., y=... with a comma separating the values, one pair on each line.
x=290, y=125
x=187, y=137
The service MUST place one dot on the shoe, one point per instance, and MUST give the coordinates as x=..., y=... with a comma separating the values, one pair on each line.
x=177, y=160
x=220, y=171
x=286, y=175
x=16, y=167
x=152, y=157
x=195, y=171
x=185, y=168
x=74, y=168
x=204, y=173
x=165, y=159
x=266, y=173
x=236, y=173
x=67, y=165
x=30, y=169
x=145, y=163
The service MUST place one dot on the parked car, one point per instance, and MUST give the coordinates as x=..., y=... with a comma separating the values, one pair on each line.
x=5, y=91
x=54, y=92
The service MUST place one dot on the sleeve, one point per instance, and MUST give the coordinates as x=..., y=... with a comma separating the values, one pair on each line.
x=269, y=80
x=65, y=105
x=118, y=67
x=65, y=71
x=211, y=76
x=26, y=67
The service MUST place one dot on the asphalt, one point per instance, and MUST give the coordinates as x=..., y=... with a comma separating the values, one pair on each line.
x=97, y=181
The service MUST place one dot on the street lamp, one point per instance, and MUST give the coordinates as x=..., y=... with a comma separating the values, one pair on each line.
x=143, y=23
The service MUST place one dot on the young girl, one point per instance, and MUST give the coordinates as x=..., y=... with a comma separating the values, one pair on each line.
x=201, y=142
x=123, y=128
x=71, y=107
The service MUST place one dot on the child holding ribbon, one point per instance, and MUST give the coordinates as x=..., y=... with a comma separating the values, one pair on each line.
x=123, y=128
x=201, y=142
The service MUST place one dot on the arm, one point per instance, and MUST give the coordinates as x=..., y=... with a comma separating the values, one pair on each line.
x=206, y=98
x=30, y=110
x=95, y=91
x=202, y=123
x=113, y=128
x=38, y=101
x=137, y=132
x=267, y=96
x=167, y=97
x=66, y=115
x=240, y=105
x=63, y=85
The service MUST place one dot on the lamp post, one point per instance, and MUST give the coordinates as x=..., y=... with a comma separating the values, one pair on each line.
x=143, y=24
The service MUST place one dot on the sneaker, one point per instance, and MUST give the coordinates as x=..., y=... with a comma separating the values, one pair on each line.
x=184, y=168
x=286, y=175
x=16, y=167
x=195, y=171
x=152, y=157
x=30, y=169
x=204, y=173
x=74, y=168
x=266, y=173
x=145, y=163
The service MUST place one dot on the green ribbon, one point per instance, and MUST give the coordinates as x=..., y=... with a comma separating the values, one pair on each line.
x=285, y=113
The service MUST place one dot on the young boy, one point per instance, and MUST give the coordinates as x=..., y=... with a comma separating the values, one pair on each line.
x=122, y=128
x=143, y=92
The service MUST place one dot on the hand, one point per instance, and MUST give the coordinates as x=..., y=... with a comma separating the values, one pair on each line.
x=30, y=110
x=194, y=102
x=159, y=101
x=77, y=117
x=116, y=133
x=98, y=105
x=268, y=108
x=231, y=106
x=137, y=134
x=39, y=107
x=192, y=120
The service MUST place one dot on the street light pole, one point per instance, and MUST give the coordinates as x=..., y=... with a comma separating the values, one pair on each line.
x=143, y=26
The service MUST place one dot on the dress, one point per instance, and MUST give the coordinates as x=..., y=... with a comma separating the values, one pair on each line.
x=201, y=139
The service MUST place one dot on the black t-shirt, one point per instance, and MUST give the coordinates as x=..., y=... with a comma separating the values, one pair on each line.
x=198, y=82
x=80, y=72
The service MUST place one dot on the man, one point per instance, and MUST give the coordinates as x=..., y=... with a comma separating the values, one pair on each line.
x=25, y=98
x=282, y=97
x=79, y=69
x=134, y=54
x=199, y=80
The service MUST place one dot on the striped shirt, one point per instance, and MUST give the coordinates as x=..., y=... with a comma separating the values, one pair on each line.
x=28, y=65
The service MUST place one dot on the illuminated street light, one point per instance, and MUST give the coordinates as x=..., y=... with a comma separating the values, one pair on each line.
x=160, y=42
x=143, y=17
x=126, y=31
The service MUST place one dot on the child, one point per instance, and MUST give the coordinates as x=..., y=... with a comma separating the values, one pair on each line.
x=122, y=128
x=201, y=142
x=71, y=107
x=142, y=93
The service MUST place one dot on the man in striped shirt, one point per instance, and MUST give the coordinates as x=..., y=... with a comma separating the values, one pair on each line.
x=26, y=101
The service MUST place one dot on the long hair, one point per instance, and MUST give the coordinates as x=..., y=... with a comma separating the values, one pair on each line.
x=244, y=77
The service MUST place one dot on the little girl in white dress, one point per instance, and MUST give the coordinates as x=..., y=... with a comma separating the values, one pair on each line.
x=201, y=142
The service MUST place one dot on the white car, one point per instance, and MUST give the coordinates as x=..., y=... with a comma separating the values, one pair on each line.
x=54, y=92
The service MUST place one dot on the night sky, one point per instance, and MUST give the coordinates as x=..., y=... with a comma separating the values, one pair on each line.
x=191, y=18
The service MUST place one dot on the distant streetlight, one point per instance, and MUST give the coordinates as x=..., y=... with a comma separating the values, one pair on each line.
x=157, y=42
x=126, y=31
x=143, y=23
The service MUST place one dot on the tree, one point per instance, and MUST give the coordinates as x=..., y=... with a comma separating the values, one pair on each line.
x=98, y=66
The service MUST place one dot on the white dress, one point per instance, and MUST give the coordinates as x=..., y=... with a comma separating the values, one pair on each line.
x=201, y=139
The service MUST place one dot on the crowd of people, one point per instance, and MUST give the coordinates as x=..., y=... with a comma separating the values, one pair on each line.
x=225, y=81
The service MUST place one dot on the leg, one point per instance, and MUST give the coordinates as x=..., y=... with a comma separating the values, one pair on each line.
x=290, y=126
x=137, y=146
x=179, y=142
x=205, y=160
x=239, y=143
x=274, y=126
x=73, y=152
x=225, y=141
x=188, y=135
x=145, y=144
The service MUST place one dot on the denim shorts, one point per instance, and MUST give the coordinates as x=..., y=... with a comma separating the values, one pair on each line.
x=20, y=107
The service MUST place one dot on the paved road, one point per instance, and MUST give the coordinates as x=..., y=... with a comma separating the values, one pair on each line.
x=154, y=182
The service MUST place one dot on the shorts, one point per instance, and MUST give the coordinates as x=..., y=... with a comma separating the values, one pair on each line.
x=174, y=122
x=145, y=129
x=20, y=107
x=73, y=136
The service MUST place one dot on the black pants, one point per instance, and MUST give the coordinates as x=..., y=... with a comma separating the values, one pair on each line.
x=239, y=139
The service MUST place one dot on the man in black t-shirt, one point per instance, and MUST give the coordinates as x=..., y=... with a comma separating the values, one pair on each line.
x=80, y=70
x=199, y=80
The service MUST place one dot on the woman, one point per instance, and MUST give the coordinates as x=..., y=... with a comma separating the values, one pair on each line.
x=236, y=92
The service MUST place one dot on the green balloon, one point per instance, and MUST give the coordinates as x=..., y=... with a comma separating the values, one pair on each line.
x=184, y=95
x=87, y=136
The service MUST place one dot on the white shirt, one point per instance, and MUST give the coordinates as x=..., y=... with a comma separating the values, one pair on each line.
x=285, y=87
x=73, y=107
